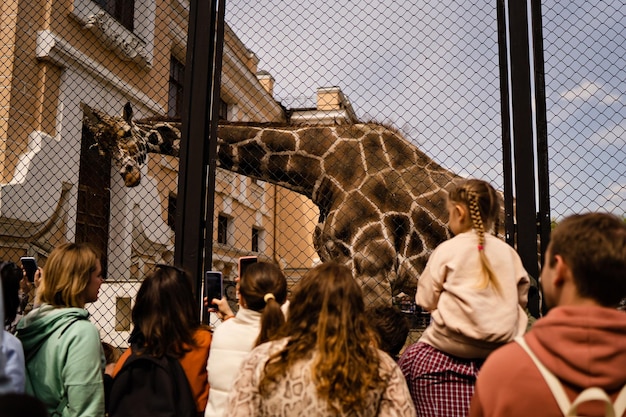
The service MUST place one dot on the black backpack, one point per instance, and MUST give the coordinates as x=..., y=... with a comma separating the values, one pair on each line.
x=151, y=387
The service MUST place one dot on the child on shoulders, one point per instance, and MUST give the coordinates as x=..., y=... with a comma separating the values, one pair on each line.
x=476, y=288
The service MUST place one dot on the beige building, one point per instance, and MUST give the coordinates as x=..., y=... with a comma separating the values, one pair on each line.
x=55, y=187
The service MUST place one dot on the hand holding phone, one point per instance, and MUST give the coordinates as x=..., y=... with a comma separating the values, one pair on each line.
x=213, y=286
x=30, y=266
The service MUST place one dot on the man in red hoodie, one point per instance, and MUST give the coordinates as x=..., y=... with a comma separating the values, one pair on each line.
x=582, y=339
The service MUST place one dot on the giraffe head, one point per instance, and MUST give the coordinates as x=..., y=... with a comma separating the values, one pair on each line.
x=120, y=138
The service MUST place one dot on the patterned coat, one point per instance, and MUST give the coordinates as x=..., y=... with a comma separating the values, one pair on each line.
x=296, y=394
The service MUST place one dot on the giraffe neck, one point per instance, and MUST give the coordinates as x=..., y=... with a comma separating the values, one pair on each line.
x=291, y=157
x=324, y=163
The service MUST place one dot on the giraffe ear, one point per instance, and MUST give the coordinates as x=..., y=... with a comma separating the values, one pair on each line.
x=90, y=116
x=128, y=113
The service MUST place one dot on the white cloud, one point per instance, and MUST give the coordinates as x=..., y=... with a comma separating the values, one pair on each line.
x=588, y=90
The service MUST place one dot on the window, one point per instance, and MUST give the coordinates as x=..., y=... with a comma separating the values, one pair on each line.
x=223, y=112
x=122, y=314
x=222, y=229
x=177, y=80
x=256, y=236
x=122, y=10
x=171, y=211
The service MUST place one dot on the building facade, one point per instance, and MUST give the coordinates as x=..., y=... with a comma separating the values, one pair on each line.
x=55, y=187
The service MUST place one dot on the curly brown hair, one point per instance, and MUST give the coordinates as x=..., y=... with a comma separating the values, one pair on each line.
x=327, y=320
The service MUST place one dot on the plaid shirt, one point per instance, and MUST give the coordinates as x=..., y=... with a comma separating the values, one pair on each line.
x=440, y=385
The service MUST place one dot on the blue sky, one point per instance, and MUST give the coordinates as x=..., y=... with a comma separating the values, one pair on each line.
x=431, y=69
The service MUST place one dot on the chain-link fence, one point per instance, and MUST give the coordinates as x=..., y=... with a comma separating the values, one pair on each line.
x=586, y=105
x=426, y=72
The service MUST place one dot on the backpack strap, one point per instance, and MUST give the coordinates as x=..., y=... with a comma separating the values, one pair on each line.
x=590, y=394
x=620, y=403
x=553, y=383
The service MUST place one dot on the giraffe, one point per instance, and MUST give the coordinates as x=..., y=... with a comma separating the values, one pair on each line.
x=128, y=143
x=381, y=200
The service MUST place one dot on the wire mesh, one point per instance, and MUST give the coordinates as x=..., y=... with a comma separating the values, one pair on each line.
x=586, y=109
x=427, y=71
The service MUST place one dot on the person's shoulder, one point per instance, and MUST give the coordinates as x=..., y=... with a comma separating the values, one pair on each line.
x=387, y=363
x=444, y=250
x=498, y=243
x=79, y=328
x=269, y=348
x=456, y=242
x=11, y=344
x=509, y=359
x=203, y=336
x=258, y=356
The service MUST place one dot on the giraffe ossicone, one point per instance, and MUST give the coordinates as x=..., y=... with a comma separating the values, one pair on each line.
x=381, y=200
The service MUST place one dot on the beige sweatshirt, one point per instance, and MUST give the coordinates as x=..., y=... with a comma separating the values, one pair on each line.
x=466, y=321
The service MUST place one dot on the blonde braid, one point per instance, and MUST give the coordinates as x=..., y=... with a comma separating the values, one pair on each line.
x=477, y=221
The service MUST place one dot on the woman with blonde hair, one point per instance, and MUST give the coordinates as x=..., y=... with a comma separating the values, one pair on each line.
x=324, y=362
x=64, y=365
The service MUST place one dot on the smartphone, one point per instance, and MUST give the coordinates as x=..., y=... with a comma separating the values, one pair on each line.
x=30, y=266
x=213, y=286
x=245, y=262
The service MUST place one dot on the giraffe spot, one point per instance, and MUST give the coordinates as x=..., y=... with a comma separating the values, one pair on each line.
x=353, y=214
x=415, y=244
x=369, y=233
x=279, y=141
x=304, y=171
x=277, y=168
x=315, y=140
x=435, y=203
x=437, y=231
x=387, y=191
x=249, y=156
x=399, y=227
x=225, y=156
x=299, y=172
x=236, y=134
x=374, y=153
x=346, y=165
x=355, y=131
x=325, y=195
x=400, y=153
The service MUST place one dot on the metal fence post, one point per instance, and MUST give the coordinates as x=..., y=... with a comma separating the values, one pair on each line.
x=194, y=215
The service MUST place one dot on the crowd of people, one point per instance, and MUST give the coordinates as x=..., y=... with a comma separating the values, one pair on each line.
x=322, y=351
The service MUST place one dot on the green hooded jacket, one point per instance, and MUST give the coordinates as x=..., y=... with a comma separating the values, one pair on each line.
x=64, y=361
